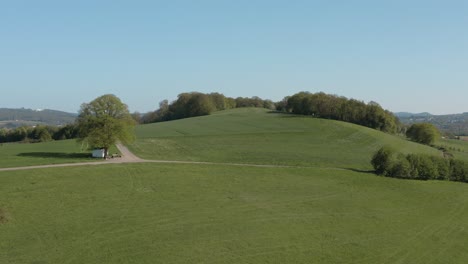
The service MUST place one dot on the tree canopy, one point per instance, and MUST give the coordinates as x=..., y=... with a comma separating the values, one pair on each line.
x=105, y=121
x=329, y=106
x=200, y=104
x=389, y=163
x=424, y=133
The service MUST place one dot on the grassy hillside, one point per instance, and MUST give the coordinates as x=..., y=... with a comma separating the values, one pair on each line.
x=154, y=213
x=54, y=152
x=323, y=212
x=256, y=136
x=459, y=148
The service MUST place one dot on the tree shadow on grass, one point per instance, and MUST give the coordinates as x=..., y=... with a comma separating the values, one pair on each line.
x=361, y=171
x=55, y=155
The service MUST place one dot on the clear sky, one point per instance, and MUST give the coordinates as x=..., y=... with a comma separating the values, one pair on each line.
x=407, y=55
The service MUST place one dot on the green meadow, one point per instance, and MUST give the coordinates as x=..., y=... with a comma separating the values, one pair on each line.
x=54, y=152
x=161, y=213
x=256, y=136
x=327, y=207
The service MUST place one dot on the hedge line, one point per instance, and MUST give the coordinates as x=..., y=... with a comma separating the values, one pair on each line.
x=389, y=163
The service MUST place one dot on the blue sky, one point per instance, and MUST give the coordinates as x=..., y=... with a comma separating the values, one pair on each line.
x=405, y=55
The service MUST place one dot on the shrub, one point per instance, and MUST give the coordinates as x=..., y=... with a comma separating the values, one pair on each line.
x=418, y=166
x=400, y=168
x=382, y=160
x=424, y=133
x=458, y=171
x=443, y=167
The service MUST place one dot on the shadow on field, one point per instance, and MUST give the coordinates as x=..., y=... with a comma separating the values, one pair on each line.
x=55, y=155
x=361, y=171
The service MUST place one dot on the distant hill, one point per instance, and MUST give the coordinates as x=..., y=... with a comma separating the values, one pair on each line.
x=456, y=124
x=11, y=118
x=408, y=115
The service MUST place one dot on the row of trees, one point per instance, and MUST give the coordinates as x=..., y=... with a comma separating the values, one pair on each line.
x=341, y=108
x=315, y=104
x=38, y=133
x=389, y=163
x=199, y=104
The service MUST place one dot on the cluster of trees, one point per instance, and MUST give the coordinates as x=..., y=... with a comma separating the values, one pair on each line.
x=341, y=108
x=319, y=105
x=418, y=166
x=423, y=133
x=199, y=104
x=38, y=133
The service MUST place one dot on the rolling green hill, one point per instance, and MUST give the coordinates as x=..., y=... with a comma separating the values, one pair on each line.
x=257, y=136
x=323, y=211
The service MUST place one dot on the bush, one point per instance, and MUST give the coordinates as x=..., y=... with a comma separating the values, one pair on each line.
x=443, y=167
x=418, y=166
x=458, y=171
x=382, y=160
x=400, y=168
x=423, y=133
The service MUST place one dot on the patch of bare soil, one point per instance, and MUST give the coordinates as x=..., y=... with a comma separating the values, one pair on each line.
x=4, y=216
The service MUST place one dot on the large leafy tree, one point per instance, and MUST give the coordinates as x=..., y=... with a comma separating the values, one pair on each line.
x=104, y=121
x=424, y=133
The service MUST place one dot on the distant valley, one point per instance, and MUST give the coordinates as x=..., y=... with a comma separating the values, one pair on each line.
x=13, y=118
x=454, y=124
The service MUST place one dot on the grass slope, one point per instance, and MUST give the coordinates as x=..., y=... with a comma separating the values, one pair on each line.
x=155, y=213
x=254, y=135
x=458, y=148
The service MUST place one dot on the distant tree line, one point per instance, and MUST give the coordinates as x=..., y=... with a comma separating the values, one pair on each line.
x=328, y=106
x=38, y=133
x=198, y=104
x=319, y=105
x=451, y=125
x=389, y=163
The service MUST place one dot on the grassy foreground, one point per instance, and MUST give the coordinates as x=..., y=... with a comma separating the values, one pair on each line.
x=155, y=213
x=259, y=137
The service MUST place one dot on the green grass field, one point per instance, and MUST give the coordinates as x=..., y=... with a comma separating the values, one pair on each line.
x=256, y=136
x=325, y=211
x=155, y=213
x=458, y=148
x=54, y=152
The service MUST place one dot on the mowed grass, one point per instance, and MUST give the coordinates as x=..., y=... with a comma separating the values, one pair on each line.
x=256, y=136
x=161, y=213
x=54, y=152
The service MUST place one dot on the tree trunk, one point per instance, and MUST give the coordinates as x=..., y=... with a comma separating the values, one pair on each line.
x=106, y=152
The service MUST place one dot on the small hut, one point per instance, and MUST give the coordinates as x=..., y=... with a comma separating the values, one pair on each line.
x=99, y=153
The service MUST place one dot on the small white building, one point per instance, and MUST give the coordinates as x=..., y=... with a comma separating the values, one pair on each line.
x=98, y=153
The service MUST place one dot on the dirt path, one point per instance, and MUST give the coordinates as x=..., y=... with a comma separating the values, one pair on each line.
x=129, y=157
